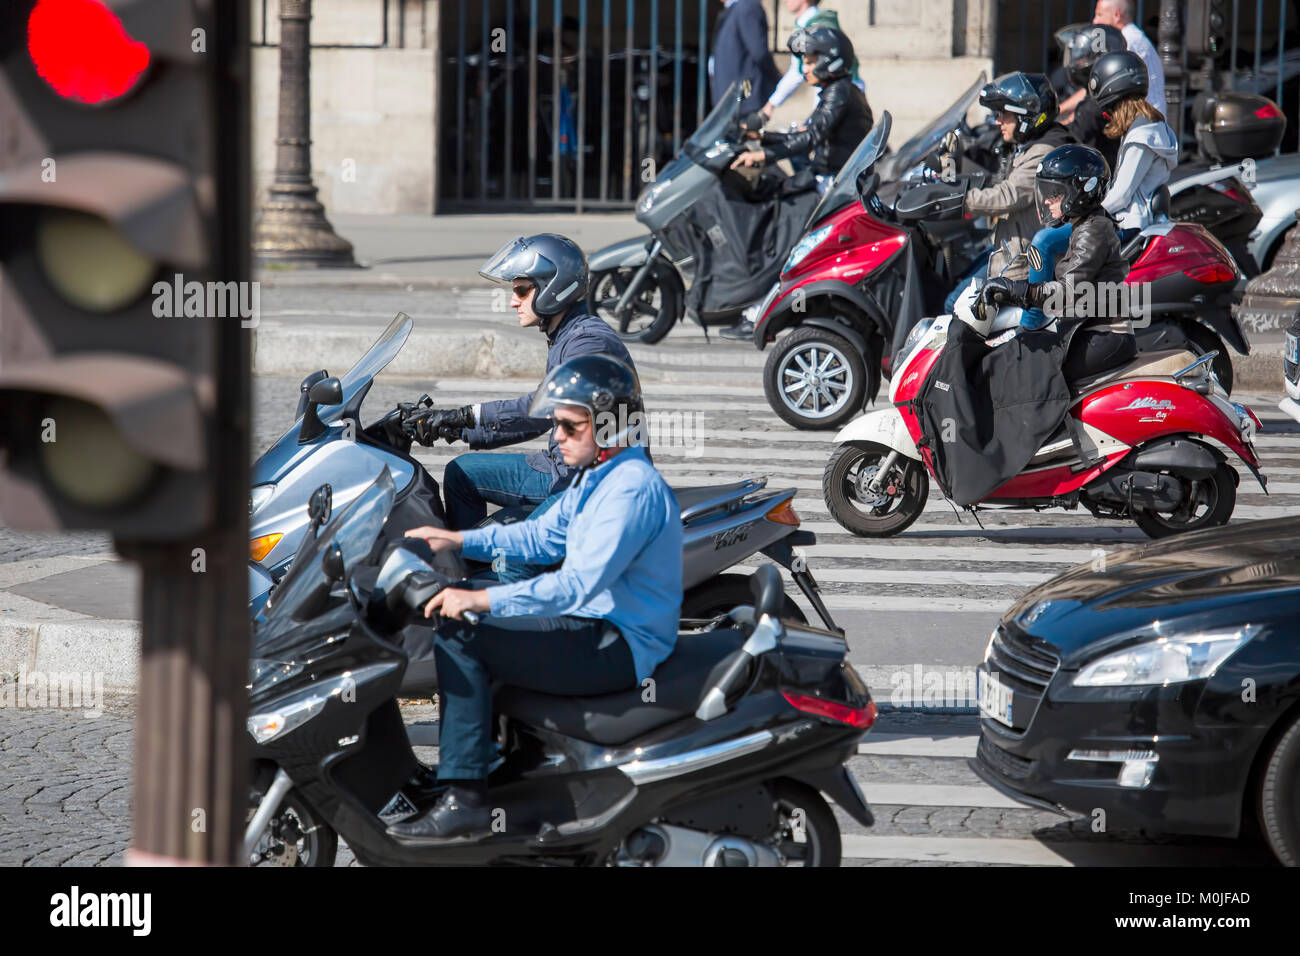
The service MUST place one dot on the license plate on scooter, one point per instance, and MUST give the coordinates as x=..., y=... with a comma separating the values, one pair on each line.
x=994, y=697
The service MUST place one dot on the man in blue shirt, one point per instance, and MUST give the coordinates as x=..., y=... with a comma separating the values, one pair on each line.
x=548, y=279
x=599, y=624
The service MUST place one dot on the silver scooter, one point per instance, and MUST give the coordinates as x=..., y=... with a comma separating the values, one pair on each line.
x=717, y=238
x=327, y=444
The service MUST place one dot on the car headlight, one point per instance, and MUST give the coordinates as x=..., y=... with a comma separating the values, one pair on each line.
x=1166, y=660
x=806, y=245
x=258, y=497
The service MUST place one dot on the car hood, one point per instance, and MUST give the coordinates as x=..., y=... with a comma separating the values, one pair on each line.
x=1223, y=576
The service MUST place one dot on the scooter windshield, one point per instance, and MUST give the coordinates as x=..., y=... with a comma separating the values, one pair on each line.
x=719, y=122
x=376, y=359
x=844, y=187
x=299, y=595
x=916, y=148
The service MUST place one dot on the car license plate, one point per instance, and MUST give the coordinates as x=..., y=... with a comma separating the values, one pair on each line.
x=1292, y=349
x=994, y=697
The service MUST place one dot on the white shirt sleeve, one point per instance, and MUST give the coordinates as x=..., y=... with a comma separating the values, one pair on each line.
x=788, y=84
x=1139, y=43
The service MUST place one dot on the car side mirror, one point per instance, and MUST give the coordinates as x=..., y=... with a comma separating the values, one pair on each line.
x=326, y=391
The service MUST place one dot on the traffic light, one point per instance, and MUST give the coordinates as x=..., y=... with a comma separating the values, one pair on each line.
x=123, y=258
x=1207, y=25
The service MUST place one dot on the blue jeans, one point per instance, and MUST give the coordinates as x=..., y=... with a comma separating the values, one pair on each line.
x=567, y=656
x=978, y=270
x=471, y=481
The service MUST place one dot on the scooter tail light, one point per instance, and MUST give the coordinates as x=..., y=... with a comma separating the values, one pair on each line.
x=862, y=717
x=1212, y=273
x=1268, y=111
x=784, y=513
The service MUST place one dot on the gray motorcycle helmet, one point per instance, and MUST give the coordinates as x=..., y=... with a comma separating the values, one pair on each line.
x=553, y=263
x=603, y=385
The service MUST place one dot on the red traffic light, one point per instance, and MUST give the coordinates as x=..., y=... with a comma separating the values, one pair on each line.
x=81, y=49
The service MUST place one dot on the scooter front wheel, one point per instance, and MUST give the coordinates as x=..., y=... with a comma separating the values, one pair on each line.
x=652, y=311
x=896, y=502
x=295, y=836
x=815, y=379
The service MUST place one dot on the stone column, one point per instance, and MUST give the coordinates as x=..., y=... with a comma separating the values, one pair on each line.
x=1272, y=299
x=293, y=228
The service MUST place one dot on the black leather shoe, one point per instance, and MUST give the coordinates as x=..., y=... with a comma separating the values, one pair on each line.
x=458, y=813
x=742, y=331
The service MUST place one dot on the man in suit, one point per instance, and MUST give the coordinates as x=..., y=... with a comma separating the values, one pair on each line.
x=740, y=52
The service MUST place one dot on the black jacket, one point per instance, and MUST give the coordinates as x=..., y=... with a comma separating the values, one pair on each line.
x=832, y=133
x=740, y=51
x=1088, y=128
x=506, y=422
x=1093, y=256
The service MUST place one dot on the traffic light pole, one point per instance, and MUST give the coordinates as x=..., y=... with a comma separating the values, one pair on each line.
x=1170, y=40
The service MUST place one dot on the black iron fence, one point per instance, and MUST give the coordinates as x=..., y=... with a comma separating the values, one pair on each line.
x=1260, y=52
x=566, y=103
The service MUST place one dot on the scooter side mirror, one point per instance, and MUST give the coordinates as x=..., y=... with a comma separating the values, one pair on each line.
x=327, y=391
x=331, y=563
x=320, y=505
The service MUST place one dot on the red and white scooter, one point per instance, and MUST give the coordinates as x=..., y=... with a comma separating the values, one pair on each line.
x=1133, y=444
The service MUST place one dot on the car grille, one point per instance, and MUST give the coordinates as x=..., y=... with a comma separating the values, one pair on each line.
x=1291, y=371
x=1002, y=762
x=1027, y=666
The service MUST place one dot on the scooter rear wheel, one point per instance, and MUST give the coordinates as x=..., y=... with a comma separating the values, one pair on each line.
x=1209, y=504
x=807, y=834
x=844, y=486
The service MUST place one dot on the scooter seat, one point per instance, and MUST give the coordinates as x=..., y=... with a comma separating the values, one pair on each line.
x=696, y=663
x=1147, y=365
x=688, y=498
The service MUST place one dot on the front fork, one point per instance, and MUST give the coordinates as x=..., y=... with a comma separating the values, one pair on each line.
x=782, y=552
x=625, y=300
x=882, y=473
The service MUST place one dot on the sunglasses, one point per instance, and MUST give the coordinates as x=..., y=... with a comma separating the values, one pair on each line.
x=569, y=426
x=521, y=289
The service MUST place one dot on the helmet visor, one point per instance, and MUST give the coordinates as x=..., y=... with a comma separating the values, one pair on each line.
x=1048, y=191
x=515, y=260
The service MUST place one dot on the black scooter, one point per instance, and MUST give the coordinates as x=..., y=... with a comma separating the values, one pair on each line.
x=720, y=759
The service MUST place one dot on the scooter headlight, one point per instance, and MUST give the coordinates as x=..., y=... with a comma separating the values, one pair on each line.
x=918, y=332
x=259, y=497
x=806, y=245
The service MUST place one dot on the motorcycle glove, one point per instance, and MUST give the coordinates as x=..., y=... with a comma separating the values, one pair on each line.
x=1001, y=291
x=432, y=424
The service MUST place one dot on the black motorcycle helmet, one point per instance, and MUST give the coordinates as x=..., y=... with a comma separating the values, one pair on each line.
x=553, y=263
x=1083, y=44
x=605, y=387
x=1027, y=95
x=1117, y=76
x=1078, y=174
x=834, y=51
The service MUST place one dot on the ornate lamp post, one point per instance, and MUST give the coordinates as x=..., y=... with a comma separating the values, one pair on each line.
x=1272, y=299
x=1170, y=42
x=293, y=227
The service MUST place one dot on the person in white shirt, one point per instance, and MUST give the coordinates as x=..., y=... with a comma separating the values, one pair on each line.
x=807, y=15
x=1119, y=14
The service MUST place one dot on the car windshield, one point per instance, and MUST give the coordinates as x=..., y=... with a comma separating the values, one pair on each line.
x=916, y=148
x=844, y=188
x=354, y=530
x=717, y=123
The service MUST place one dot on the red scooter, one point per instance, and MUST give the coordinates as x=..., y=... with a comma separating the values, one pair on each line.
x=1132, y=445
x=861, y=278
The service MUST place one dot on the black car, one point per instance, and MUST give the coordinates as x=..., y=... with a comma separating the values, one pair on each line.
x=1160, y=685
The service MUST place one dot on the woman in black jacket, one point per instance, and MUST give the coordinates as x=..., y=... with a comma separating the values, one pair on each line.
x=1070, y=184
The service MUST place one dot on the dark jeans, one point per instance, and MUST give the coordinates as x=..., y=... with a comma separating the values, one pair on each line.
x=1092, y=353
x=471, y=481
x=556, y=655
